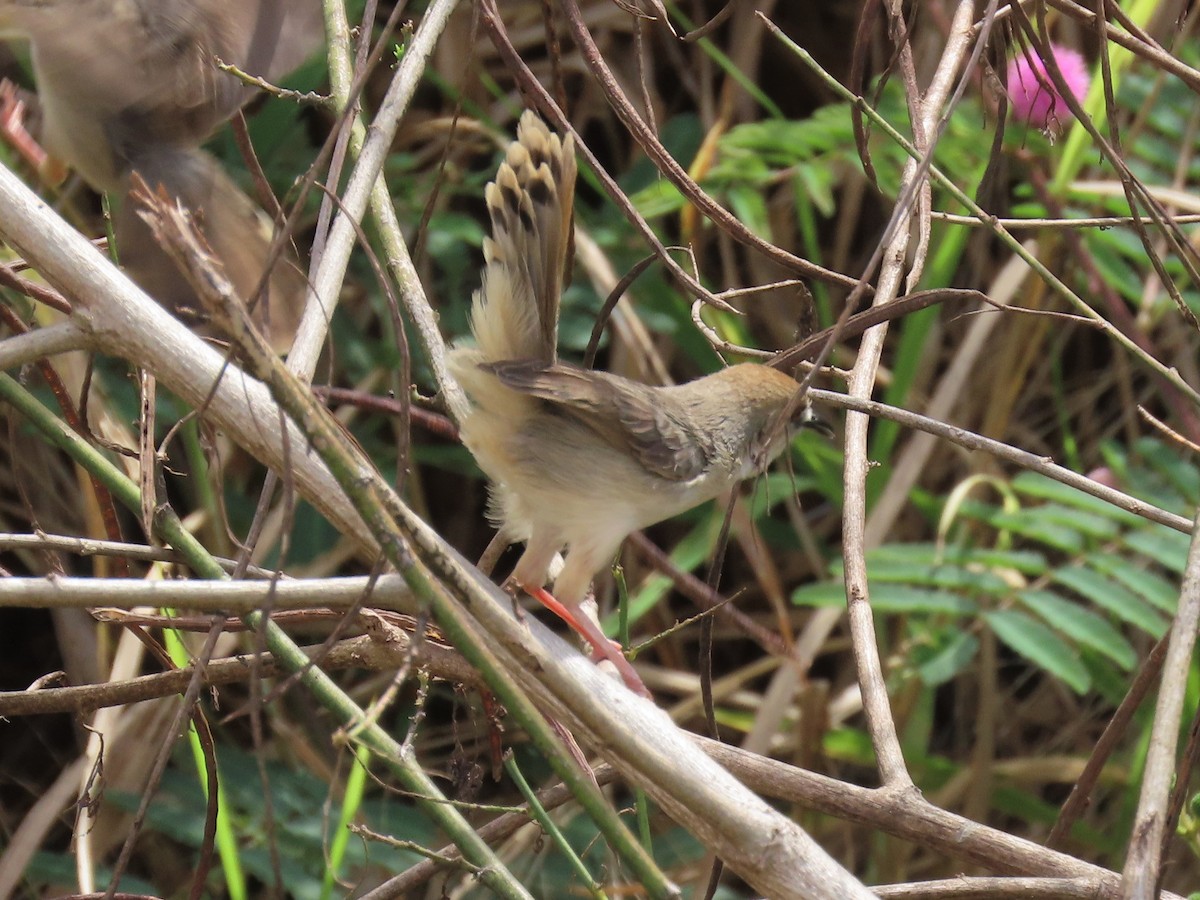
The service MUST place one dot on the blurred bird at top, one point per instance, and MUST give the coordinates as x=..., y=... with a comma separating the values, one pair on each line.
x=131, y=86
x=579, y=459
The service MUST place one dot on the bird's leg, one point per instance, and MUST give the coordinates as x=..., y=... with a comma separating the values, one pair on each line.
x=602, y=647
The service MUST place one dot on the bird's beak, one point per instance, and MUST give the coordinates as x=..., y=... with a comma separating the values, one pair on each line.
x=816, y=423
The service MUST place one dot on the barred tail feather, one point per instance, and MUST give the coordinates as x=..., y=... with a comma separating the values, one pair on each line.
x=515, y=313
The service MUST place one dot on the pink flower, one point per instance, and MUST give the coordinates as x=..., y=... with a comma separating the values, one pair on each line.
x=1033, y=95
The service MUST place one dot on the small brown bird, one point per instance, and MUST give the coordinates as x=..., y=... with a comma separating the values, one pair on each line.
x=131, y=86
x=580, y=458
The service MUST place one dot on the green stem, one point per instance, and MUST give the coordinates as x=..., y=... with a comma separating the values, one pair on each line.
x=548, y=825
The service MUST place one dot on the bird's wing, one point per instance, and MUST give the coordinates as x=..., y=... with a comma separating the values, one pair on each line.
x=627, y=415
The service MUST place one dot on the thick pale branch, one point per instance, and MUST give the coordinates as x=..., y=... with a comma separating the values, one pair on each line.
x=862, y=383
x=1143, y=865
x=232, y=597
x=39, y=343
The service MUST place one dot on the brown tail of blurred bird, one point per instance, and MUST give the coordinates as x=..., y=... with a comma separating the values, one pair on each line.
x=236, y=229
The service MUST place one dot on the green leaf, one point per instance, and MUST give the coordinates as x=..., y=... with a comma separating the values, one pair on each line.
x=1164, y=545
x=1029, y=524
x=1094, y=525
x=1028, y=562
x=59, y=868
x=1041, y=646
x=1150, y=586
x=816, y=183
x=1183, y=476
x=784, y=143
x=771, y=489
x=1112, y=596
x=950, y=660
x=888, y=598
x=1081, y=625
x=750, y=206
x=1114, y=268
x=1108, y=681
x=821, y=593
x=1142, y=479
x=820, y=458
x=947, y=576
x=899, y=598
x=848, y=745
x=1035, y=484
x=658, y=199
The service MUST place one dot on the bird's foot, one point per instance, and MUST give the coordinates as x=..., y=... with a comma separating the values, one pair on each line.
x=513, y=590
x=602, y=646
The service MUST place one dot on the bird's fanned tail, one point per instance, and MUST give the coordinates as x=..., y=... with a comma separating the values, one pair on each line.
x=515, y=313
